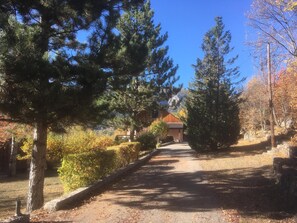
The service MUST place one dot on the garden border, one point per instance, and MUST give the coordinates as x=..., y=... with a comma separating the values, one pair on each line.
x=81, y=194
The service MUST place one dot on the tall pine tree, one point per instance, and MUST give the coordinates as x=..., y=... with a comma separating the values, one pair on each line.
x=48, y=77
x=154, y=83
x=212, y=102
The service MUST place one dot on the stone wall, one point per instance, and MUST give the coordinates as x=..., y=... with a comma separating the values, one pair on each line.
x=285, y=170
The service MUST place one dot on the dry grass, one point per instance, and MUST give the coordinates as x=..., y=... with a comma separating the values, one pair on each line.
x=243, y=179
x=243, y=155
x=17, y=187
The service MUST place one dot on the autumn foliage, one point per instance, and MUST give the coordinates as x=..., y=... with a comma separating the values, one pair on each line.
x=254, y=108
x=286, y=95
x=254, y=113
x=85, y=168
x=77, y=140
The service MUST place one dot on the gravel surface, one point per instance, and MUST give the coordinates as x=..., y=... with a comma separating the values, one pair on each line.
x=169, y=188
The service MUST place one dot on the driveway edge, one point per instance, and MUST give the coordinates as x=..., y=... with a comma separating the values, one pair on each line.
x=84, y=193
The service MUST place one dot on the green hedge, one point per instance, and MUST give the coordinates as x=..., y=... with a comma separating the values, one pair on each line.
x=79, y=170
x=147, y=141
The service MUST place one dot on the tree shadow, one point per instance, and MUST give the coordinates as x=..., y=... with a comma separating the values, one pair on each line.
x=25, y=176
x=242, y=150
x=250, y=191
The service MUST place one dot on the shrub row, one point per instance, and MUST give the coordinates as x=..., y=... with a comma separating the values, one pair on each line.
x=79, y=170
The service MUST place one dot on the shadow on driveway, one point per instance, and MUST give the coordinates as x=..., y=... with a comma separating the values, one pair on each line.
x=158, y=185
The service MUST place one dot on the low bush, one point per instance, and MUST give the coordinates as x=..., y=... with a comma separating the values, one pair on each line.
x=147, y=141
x=130, y=151
x=83, y=169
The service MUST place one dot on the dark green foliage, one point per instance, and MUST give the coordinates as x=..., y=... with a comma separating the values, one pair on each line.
x=154, y=83
x=49, y=77
x=46, y=72
x=212, y=103
x=147, y=141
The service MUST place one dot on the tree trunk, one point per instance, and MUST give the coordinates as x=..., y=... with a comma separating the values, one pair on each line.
x=12, y=159
x=276, y=120
x=36, y=178
x=132, y=130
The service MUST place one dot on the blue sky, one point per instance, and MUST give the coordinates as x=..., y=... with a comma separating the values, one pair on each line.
x=186, y=22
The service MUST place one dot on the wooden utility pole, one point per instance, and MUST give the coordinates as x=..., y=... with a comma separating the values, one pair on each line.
x=270, y=97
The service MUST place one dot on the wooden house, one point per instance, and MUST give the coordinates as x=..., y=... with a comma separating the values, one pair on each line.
x=175, y=125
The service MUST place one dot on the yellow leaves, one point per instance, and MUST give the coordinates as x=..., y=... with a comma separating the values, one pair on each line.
x=82, y=169
x=290, y=5
x=182, y=114
x=77, y=140
x=159, y=128
x=253, y=110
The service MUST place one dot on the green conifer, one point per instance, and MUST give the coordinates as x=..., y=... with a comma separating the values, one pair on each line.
x=212, y=102
x=143, y=93
x=49, y=77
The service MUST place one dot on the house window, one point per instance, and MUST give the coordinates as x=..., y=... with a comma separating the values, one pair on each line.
x=155, y=114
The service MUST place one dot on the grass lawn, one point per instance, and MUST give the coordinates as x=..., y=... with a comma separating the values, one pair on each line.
x=17, y=187
x=243, y=180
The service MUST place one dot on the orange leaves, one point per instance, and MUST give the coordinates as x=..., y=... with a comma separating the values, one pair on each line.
x=285, y=93
x=9, y=129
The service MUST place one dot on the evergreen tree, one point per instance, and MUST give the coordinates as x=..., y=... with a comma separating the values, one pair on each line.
x=213, y=102
x=154, y=83
x=48, y=77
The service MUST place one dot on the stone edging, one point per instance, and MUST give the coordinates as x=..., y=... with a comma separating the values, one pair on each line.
x=83, y=193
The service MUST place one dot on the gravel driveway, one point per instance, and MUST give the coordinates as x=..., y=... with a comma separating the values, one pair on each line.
x=169, y=188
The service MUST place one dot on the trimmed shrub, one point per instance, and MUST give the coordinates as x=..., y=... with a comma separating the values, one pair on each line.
x=126, y=153
x=147, y=141
x=79, y=170
x=83, y=169
x=130, y=151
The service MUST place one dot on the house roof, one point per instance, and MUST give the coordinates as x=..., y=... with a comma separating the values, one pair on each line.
x=169, y=117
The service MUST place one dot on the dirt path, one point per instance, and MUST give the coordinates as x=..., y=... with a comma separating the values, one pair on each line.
x=168, y=189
